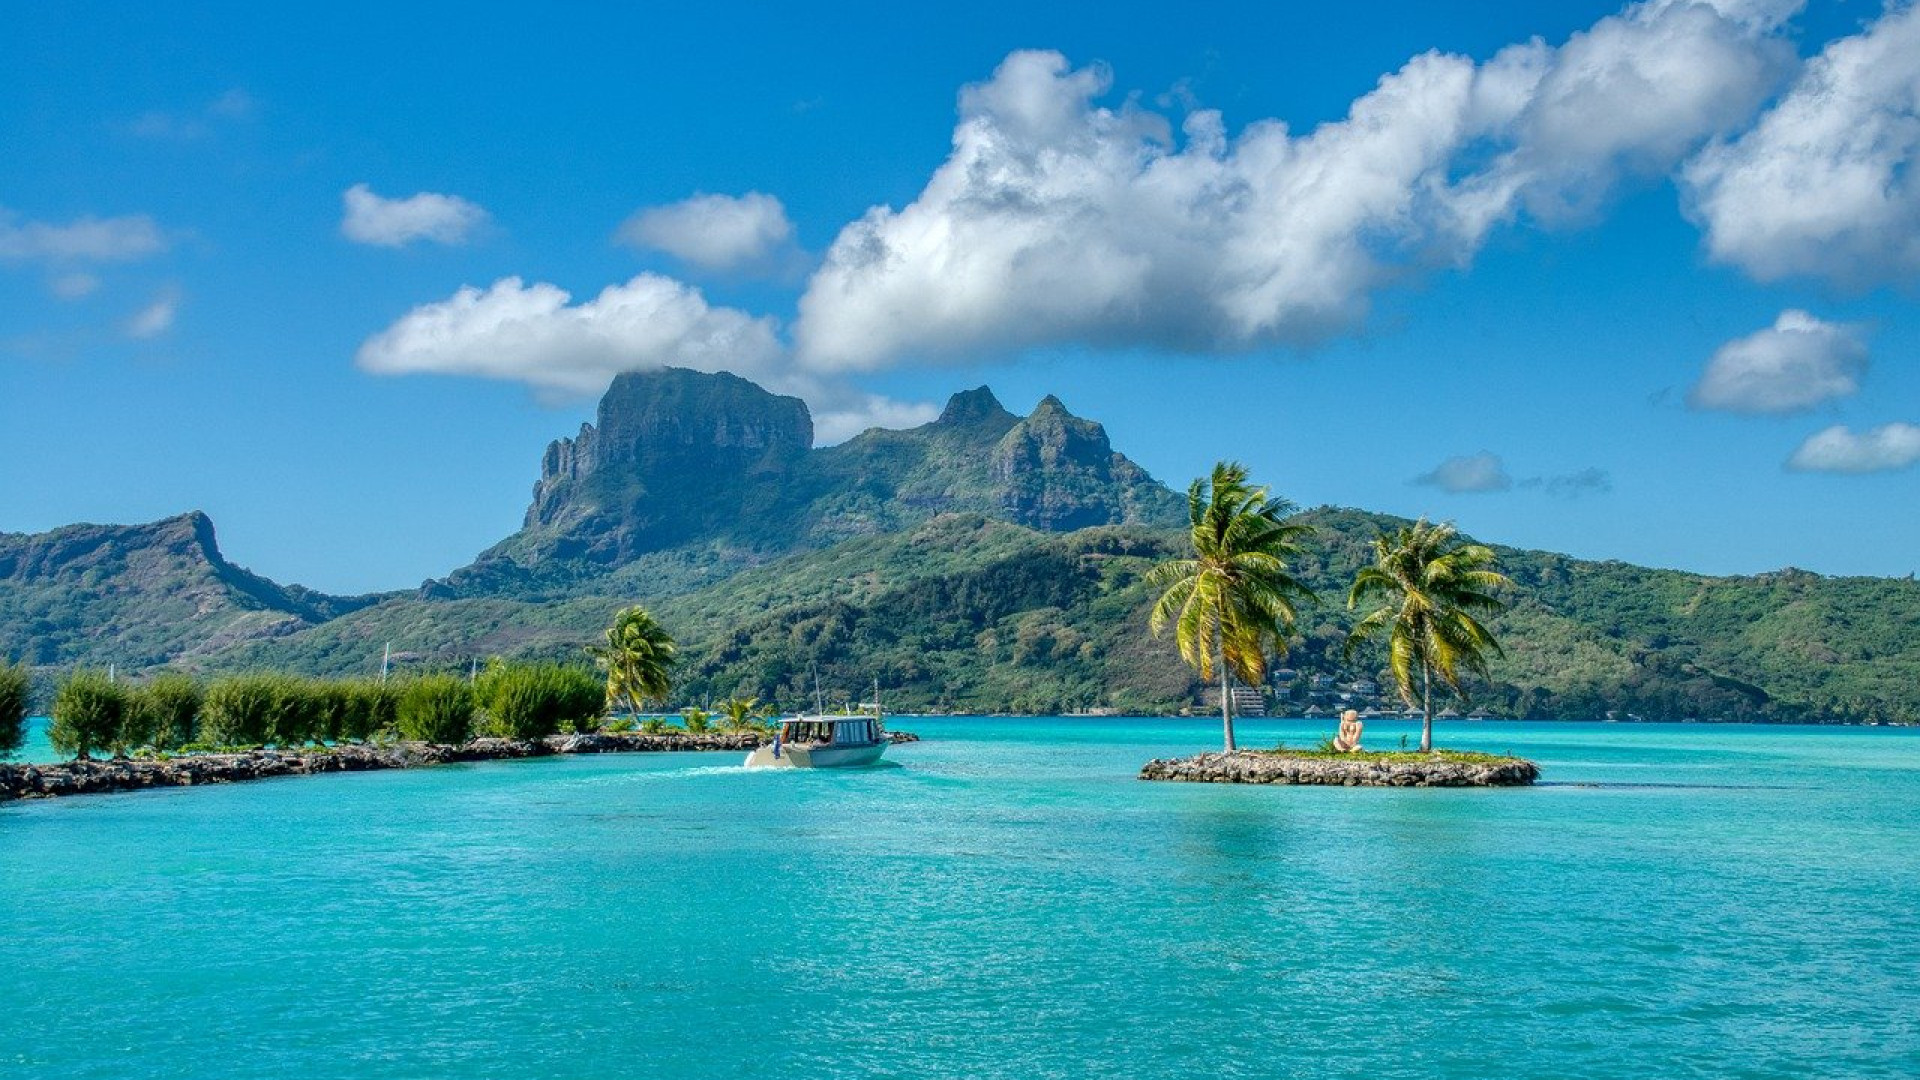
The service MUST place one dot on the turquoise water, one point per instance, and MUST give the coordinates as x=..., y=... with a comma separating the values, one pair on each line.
x=36, y=748
x=1006, y=902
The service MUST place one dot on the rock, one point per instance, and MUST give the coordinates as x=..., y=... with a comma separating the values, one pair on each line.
x=1058, y=473
x=20, y=781
x=1254, y=767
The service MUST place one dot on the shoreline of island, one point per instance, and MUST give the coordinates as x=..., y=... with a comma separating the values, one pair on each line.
x=22, y=781
x=1402, y=769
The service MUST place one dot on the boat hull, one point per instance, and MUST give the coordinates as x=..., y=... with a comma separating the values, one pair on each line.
x=805, y=756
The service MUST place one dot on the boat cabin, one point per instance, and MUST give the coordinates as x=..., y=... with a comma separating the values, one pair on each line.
x=831, y=731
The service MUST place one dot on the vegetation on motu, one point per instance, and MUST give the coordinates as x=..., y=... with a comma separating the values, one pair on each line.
x=1232, y=602
x=173, y=712
x=1428, y=584
x=532, y=701
x=16, y=685
x=437, y=709
x=88, y=714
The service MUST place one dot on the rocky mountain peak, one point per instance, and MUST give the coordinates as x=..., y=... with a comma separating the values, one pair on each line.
x=1049, y=407
x=1059, y=472
x=973, y=408
x=668, y=426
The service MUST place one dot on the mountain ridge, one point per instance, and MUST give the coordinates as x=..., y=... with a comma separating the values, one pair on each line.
x=984, y=560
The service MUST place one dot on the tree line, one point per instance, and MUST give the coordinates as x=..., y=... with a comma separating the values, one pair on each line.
x=175, y=713
x=170, y=713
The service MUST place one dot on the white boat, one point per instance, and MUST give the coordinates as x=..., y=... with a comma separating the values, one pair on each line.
x=823, y=742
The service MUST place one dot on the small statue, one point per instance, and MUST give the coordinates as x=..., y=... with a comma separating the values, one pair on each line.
x=1348, y=741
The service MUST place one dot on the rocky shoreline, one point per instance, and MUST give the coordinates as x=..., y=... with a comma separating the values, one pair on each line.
x=1256, y=767
x=22, y=781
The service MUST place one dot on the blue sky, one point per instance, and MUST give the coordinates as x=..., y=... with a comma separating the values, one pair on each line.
x=1632, y=283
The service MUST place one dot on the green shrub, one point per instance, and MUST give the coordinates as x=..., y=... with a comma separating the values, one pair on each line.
x=531, y=701
x=15, y=687
x=437, y=709
x=375, y=710
x=163, y=714
x=239, y=710
x=333, y=703
x=88, y=713
x=696, y=720
x=298, y=714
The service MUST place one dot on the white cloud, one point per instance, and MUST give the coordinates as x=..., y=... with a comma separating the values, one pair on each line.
x=1634, y=95
x=73, y=286
x=85, y=239
x=1473, y=473
x=1791, y=366
x=1840, y=450
x=840, y=412
x=1828, y=182
x=443, y=219
x=535, y=334
x=1056, y=220
x=717, y=232
x=154, y=319
x=234, y=105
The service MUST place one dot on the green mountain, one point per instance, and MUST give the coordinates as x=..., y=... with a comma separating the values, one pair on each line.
x=980, y=562
x=687, y=478
x=139, y=595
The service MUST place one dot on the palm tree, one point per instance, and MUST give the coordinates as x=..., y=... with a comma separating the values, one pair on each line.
x=638, y=658
x=1234, y=599
x=1428, y=583
x=741, y=713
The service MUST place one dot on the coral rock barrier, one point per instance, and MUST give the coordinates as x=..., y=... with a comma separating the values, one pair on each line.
x=20, y=781
x=1256, y=767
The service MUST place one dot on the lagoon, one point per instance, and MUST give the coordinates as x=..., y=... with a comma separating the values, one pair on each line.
x=1006, y=901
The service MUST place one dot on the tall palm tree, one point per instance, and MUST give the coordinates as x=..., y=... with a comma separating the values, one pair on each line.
x=1234, y=599
x=1428, y=583
x=638, y=657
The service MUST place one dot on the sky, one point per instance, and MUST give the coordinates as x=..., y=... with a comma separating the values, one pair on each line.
x=1630, y=283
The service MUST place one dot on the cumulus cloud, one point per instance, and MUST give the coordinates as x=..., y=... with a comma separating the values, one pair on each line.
x=1058, y=220
x=536, y=334
x=85, y=239
x=1636, y=94
x=1826, y=183
x=443, y=219
x=1838, y=449
x=154, y=319
x=717, y=232
x=1790, y=367
x=1470, y=474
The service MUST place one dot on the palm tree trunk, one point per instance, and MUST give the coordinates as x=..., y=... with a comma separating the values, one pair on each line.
x=1226, y=703
x=1226, y=708
x=1426, y=708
